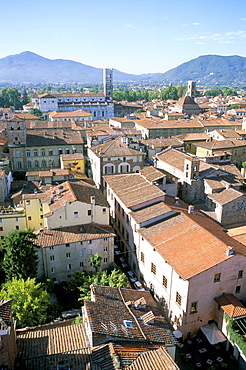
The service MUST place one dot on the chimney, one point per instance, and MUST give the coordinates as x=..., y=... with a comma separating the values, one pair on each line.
x=93, y=200
x=191, y=209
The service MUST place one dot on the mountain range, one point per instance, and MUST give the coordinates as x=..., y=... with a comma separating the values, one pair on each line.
x=212, y=70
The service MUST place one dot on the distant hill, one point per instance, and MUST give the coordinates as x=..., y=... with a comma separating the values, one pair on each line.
x=210, y=70
x=28, y=67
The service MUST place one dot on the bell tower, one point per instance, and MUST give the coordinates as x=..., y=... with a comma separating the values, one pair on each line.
x=108, y=84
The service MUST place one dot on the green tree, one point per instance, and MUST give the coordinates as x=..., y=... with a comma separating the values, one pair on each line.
x=170, y=92
x=25, y=98
x=213, y=92
x=229, y=91
x=20, y=256
x=36, y=112
x=95, y=261
x=11, y=97
x=30, y=301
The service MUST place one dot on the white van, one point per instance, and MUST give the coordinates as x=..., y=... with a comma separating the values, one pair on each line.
x=138, y=286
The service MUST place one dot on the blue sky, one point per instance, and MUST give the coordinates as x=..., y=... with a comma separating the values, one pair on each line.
x=133, y=36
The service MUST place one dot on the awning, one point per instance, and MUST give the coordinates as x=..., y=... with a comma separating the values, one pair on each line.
x=213, y=333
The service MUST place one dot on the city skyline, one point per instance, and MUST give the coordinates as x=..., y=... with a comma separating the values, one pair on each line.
x=133, y=37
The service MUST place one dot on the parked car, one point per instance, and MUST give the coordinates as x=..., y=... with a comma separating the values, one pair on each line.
x=131, y=276
x=138, y=286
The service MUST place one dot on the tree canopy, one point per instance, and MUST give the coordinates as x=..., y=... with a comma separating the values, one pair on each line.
x=10, y=97
x=81, y=281
x=30, y=301
x=95, y=260
x=20, y=256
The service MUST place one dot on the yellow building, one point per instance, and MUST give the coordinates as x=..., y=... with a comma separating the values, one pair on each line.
x=74, y=162
x=231, y=148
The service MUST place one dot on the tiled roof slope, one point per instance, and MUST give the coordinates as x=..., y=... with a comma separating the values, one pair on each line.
x=5, y=313
x=73, y=234
x=151, y=173
x=44, y=347
x=174, y=157
x=151, y=212
x=231, y=305
x=225, y=196
x=115, y=148
x=132, y=355
x=108, y=310
x=179, y=239
x=73, y=191
x=133, y=189
x=52, y=137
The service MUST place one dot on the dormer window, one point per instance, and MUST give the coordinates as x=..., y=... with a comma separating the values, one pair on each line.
x=128, y=324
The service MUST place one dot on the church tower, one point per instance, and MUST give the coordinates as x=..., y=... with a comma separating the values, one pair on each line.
x=108, y=84
x=191, y=89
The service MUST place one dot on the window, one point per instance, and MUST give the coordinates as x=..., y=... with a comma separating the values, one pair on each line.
x=104, y=211
x=29, y=218
x=16, y=219
x=69, y=266
x=43, y=153
x=217, y=277
x=193, y=307
x=89, y=212
x=19, y=165
x=60, y=151
x=17, y=153
x=68, y=255
x=81, y=253
x=36, y=164
x=240, y=274
x=105, y=239
x=142, y=257
x=51, y=247
x=29, y=164
x=153, y=268
x=89, y=242
x=105, y=260
x=108, y=169
x=81, y=264
x=28, y=154
x=1, y=228
x=17, y=227
x=52, y=269
x=28, y=203
x=76, y=214
x=67, y=151
x=178, y=298
x=52, y=258
x=44, y=164
x=67, y=245
x=105, y=249
x=35, y=153
x=50, y=151
x=238, y=289
x=164, y=281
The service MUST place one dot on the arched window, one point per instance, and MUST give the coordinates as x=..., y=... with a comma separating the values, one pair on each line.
x=19, y=165
x=108, y=168
x=29, y=164
x=17, y=153
x=36, y=164
x=67, y=151
x=44, y=164
x=60, y=150
x=35, y=153
x=50, y=151
x=124, y=168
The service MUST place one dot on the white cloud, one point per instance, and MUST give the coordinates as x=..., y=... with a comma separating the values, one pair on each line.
x=226, y=38
x=196, y=24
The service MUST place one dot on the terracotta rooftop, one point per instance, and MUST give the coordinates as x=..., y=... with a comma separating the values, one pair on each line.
x=153, y=212
x=50, y=173
x=231, y=305
x=72, y=157
x=52, y=137
x=226, y=196
x=152, y=174
x=161, y=143
x=76, y=113
x=74, y=191
x=73, y=234
x=174, y=157
x=45, y=347
x=115, y=148
x=133, y=189
x=108, y=314
x=132, y=355
x=222, y=144
x=179, y=238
